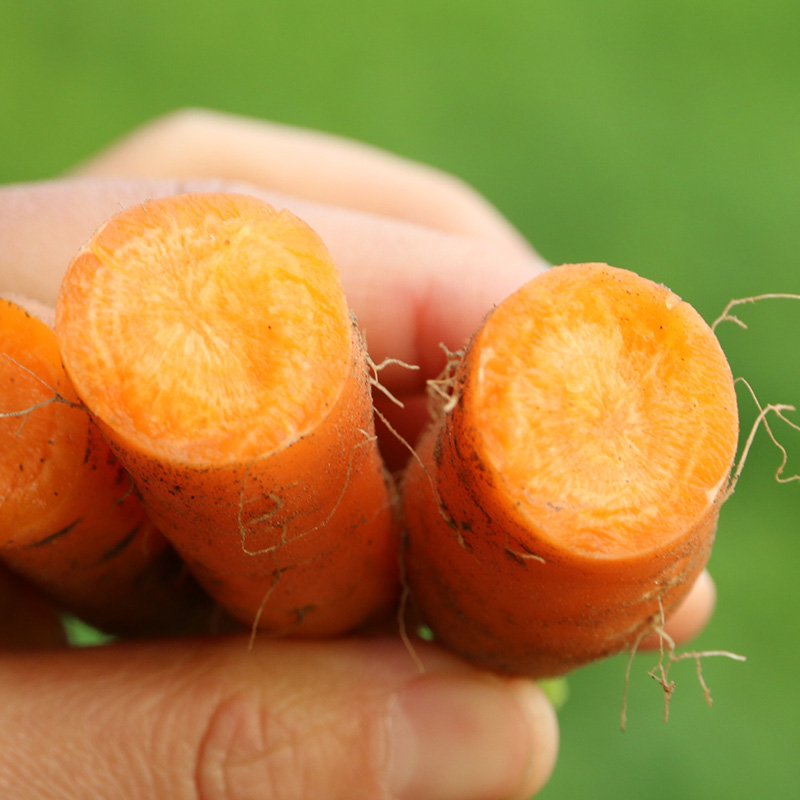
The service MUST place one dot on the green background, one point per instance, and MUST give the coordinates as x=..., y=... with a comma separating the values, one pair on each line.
x=661, y=137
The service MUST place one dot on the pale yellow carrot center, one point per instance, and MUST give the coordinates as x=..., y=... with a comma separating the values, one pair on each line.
x=214, y=334
x=606, y=407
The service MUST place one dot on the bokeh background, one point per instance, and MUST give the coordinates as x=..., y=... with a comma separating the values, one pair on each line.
x=661, y=137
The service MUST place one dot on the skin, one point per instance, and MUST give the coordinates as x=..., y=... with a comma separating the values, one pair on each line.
x=423, y=258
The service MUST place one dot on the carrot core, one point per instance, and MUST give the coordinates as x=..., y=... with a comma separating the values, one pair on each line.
x=207, y=327
x=613, y=433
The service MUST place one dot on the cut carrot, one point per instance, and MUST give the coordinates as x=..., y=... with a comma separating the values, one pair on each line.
x=210, y=336
x=570, y=488
x=69, y=518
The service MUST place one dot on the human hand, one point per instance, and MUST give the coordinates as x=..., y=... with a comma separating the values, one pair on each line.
x=422, y=259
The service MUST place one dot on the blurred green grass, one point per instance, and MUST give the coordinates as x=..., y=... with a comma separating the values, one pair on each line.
x=663, y=138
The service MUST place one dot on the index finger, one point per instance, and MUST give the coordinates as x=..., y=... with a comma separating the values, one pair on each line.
x=322, y=167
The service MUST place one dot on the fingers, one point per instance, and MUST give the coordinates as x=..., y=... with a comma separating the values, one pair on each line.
x=694, y=613
x=351, y=719
x=411, y=288
x=317, y=166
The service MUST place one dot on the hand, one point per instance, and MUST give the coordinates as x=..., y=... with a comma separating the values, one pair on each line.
x=423, y=258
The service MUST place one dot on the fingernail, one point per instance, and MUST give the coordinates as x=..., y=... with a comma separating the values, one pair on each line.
x=459, y=736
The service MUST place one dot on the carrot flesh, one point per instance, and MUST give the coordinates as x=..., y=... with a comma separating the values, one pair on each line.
x=210, y=336
x=571, y=489
x=69, y=518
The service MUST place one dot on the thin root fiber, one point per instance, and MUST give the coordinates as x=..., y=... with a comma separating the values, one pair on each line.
x=25, y=413
x=669, y=656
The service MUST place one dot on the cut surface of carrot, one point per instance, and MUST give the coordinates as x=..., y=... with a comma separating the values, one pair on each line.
x=610, y=395
x=210, y=336
x=219, y=364
x=571, y=490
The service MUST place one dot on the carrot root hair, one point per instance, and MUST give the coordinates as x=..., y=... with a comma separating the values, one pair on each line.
x=404, y=608
x=25, y=413
x=668, y=656
x=762, y=419
x=778, y=410
x=375, y=382
x=443, y=391
x=726, y=315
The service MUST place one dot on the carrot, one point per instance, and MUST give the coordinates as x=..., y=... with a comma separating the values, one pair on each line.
x=569, y=490
x=69, y=518
x=210, y=336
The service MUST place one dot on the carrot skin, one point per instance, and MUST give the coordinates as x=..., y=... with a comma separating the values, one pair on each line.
x=541, y=574
x=271, y=541
x=488, y=597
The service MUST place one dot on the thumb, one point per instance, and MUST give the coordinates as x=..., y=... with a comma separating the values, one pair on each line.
x=211, y=718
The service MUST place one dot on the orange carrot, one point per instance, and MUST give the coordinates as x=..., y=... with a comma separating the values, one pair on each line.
x=210, y=336
x=569, y=491
x=69, y=518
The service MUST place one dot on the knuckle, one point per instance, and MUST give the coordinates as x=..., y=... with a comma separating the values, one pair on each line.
x=250, y=751
x=239, y=755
